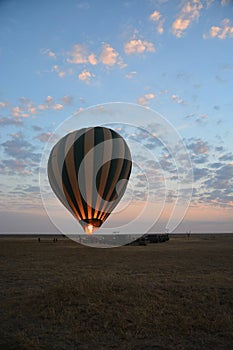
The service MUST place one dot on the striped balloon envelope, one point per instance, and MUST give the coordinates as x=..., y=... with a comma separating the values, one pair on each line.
x=88, y=170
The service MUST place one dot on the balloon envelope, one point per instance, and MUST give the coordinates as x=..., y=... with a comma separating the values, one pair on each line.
x=88, y=170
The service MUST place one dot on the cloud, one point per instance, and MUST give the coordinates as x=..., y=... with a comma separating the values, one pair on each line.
x=121, y=63
x=199, y=146
x=20, y=149
x=157, y=18
x=190, y=12
x=177, y=99
x=216, y=184
x=61, y=73
x=225, y=2
x=47, y=105
x=4, y=104
x=57, y=106
x=12, y=166
x=139, y=46
x=24, y=109
x=166, y=164
x=85, y=76
x=17, y=148
x=55, y=68
x=222, y=178
x=143, y=100
x=199, y=158
x=6, y=121
x=51, y=104
x=219, y=148
x=221, y=32
x=108, y=55
x=18, y=112
x=200, y=118
x=78, y=55
x=209, y=3
x=199, y=173
x=44, y=136
x=131, y=75
x=51, y=54
x=42, y=107
x=16, y=135
x=225, y=172
x=226, y=157
x=36, y=128
x=179, y=26
x=48, y=53
x=203, y=116
x=29, y=189
x=216, y=165
x=49, y=100
x=67, y=100
x=92, y=59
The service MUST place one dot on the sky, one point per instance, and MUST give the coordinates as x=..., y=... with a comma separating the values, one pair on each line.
x=62, y=57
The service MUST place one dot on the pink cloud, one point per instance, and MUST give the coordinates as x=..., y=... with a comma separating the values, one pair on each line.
x=92, y=59
x=190, y=12
x=57, y=106
x=221, y=32
x=157, y=18
x=85, y=76
x=44, y=137
x=138, y=46
x=143, y=100
x=108, y=55
x=49, y=53
x=78, y=55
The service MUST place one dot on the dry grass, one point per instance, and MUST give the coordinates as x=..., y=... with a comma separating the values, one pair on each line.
x=175, y=295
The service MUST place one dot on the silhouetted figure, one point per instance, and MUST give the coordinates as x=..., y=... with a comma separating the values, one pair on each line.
x=39, y=239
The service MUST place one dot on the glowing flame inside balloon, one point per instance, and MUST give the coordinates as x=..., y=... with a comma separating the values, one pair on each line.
x=89, y=229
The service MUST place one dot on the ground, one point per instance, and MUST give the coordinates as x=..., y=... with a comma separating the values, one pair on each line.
x=172, y=295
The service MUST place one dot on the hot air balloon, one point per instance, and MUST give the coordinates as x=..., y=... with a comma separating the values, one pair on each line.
x=88, y=170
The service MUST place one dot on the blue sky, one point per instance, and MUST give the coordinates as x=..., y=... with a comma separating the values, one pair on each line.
x=58, y=57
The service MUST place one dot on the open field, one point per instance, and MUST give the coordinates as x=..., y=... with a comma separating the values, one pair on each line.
x=174, y=295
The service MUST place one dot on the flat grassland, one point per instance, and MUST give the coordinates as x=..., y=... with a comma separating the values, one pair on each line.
x=173, y=295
